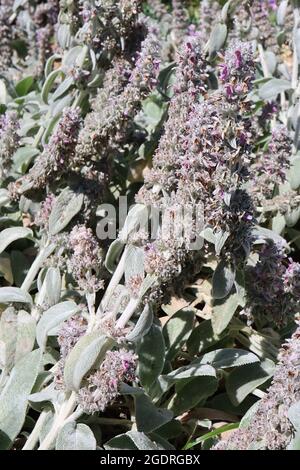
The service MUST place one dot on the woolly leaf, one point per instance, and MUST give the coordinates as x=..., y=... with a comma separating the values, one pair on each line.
x=202, y=338
x=132, y=440
x=14, y=396
x=272, y=88
x=53, y=317
x=17, y=336
x=193, y=392
x=177, y=330
x=9, y=235
x=73, y=436
x=242, y=381
x=217, y=38
x=114, y=251
x=142, y=326
x=88, y=351
x=14, y=294
x=66, y=206
x=148, y=416
x=49, y=84
x=223, y=280
x=151, y=352
x=224, y=358
x=137, y=218
x=50, y=290
x=223, y=311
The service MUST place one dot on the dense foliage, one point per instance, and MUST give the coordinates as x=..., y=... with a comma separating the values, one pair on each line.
x=120, y=330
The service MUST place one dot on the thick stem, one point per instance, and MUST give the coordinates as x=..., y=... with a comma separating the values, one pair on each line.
x=34, y=436
x=263, y=62
x=65, y=411
x=128, y=312
x=115, y=280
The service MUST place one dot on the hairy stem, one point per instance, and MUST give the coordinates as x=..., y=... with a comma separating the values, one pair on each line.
x=34, y=436
x=36, y=265
x=65, y=412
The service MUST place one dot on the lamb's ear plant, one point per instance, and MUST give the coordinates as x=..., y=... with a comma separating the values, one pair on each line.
x=179, y=323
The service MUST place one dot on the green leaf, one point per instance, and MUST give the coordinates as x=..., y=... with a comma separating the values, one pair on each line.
x=177, y=331
x=22, y=158
x=88, y=351
x=49, y=64
x=183, y=374
x=70, y=58
x=223, y=311
x=53, y=317
x=272, y=88
x=24, y=86
x=62, y=88
x=14, y=396
x=47, y=395
x=148, y=416
x=211, y=434
x=202, y=338
x=242, y=381
x=9, y=235
x=223, y=280
x=114, y=251
x=192, y=393
x=225, y=358
x=14, y=294
x=66, y=206
x=151, y=352
x=49, y=82
x=132, y=440
x=142, y=326
x=73, y=436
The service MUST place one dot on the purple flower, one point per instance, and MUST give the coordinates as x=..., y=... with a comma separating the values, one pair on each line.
x=103, y=385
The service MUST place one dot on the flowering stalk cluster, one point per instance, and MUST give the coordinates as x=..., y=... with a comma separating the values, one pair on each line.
x=203, y=155
x=179, y=21
x=273, y=286
x=9, y=141
x=57, y=156
x=70, y=333
x=6, y=34
x=86, y=259
x=209, y=12
x=106, y=130
x=103, y=386
x=108, y=25
x=270, y=427
x=270, y=171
